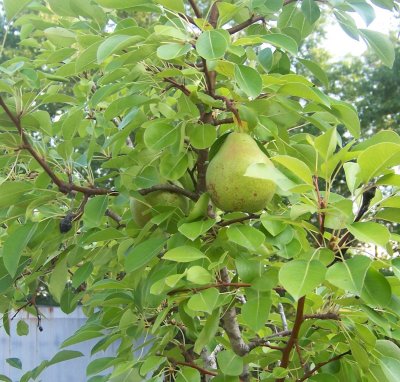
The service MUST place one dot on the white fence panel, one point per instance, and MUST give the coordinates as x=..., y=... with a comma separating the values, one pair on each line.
x=39, y=346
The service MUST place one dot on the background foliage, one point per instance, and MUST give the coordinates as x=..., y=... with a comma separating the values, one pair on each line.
x=109, y=101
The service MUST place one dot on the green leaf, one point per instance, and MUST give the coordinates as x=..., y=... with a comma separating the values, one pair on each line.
x=82, y=274
x=388, y=154
x=282, y=41
x=348, y=116
x=172, y=51
x=303, y=91
x=121, y=4
x=365, y=10
x=14, y=246
x=202, y=136
x=380, y=44
x=141, y=254
x=377, y=290
x=184, y=254
x=99, y=364
x=58, y=279
x=65, y=355
x=151, y=363
x=114, y=44
x=160, y=134
x=311, y=10
x=174, y=5
x=248, y=80
x=95, y=210
x=11, y=192
x=360, y=355
x=173, y=167
x=87, y=58
x=370, y=232
x=195, y=229
x=60, y=36
x=296, y=166
x=204, y=301
x=188, y=374
x=213, y=44
x=230, y=363
x=13, y=7
x=266, y=59
x=256, y=310
x=22, y=328
x=350, y=274
x=208, y=332
x=14, y=362
x=326, y=143
x=316, y=70
x=396, y=266
x=300, y=277
x=83, y=334
x=246, y=236
x=198, y=275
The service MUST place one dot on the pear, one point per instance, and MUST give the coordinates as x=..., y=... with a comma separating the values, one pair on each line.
x=142, y=209
x=229, y=189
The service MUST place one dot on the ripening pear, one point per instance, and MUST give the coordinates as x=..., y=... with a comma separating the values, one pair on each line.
x=229, y=189
x=141, y=209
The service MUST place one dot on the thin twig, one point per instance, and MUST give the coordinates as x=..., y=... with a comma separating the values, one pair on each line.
x=169, y=188
x=321, y=364
x=225, y=223
x=283, y=316
x=193, y=366
x=253, y=19
x=220, y=285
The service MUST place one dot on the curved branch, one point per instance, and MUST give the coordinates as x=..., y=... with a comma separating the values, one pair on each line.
x=63, y=187
x=253, y=19
x=169, y=188
x=193, y=366
x=321, y=364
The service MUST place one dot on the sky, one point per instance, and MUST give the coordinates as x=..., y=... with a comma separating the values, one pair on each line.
x=339, y=44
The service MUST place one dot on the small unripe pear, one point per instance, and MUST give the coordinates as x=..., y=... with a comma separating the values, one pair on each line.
x=229, y=189
x=142, y=209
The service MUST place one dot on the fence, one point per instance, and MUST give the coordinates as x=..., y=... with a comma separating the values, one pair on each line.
x=39, y=346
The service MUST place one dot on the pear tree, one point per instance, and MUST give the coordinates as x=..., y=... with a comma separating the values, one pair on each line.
x=165, y=169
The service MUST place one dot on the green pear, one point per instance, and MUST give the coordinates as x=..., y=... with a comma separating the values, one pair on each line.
x=142, y=209
x=229, y=189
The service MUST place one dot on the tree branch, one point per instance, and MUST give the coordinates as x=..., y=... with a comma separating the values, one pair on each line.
x=177, y=85
x=193, y=366
x=253, y=19
x=219, y=285
x=224, y=121
x=232, y=329
x=195, y=8
x=214, y=14
x=283, y=316
x=169, y=188
x=322, y=316
x=321, y=364
x=261, y=341
x=225, y=223
x=294, y=335
x=64, y=187
x=114, y=216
